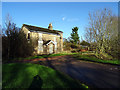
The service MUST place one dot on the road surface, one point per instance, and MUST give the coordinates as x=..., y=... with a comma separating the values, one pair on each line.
x=92, y=74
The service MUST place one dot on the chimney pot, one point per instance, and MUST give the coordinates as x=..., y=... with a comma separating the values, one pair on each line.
x=50, y=26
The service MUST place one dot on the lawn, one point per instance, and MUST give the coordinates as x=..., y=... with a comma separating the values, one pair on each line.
x=50, y=55
x=93, y=58
x=86, y=56
x=39, y=56
x=27, y=75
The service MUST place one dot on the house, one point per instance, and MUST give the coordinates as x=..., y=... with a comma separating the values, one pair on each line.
x=44, y=40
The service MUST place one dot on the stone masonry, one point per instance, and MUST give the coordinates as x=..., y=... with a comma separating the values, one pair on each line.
x=45, y=41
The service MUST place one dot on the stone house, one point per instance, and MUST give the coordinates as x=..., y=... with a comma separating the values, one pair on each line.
x=44, y=40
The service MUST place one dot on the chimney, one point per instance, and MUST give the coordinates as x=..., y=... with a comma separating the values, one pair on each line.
x=50, y=26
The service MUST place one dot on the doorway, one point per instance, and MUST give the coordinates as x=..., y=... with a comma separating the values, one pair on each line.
x=51, y=48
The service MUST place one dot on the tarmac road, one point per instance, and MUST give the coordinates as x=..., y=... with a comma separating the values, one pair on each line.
x=92, y=74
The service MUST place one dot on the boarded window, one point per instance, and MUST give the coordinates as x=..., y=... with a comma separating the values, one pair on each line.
x=40, y=36
x=40, y=46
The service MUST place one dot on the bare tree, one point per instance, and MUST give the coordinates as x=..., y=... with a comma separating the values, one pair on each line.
x=14, y=41
x=101, y=29
x=89, y=35
x=6, y=29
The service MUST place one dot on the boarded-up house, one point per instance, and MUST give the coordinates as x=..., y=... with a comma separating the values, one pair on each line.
x=45, y=41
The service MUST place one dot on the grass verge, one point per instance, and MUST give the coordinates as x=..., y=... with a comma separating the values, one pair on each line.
x=27, y=75
x=46, y=56
x=36, y=57
x=93, y=58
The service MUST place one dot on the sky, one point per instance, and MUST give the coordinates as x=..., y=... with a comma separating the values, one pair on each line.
x=63, y=15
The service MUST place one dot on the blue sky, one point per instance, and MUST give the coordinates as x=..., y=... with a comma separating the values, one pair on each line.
x=63, y=15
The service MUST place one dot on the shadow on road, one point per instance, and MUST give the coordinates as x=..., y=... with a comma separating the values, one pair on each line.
x=93, y=75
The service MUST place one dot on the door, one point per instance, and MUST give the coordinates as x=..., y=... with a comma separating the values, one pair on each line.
x=51, y=48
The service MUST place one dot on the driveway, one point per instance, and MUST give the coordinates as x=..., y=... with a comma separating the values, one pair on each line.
x=92, y=74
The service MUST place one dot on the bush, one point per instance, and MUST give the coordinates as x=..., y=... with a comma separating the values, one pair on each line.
x=66, y=46
x=74, y=46
x=84, y=43
x=16, y=45
x=74, y=51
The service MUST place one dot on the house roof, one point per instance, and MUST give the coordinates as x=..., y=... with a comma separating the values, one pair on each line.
x=48, y=42
x=34, y=28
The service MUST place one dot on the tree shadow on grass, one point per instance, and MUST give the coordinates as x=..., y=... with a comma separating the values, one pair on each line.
x=36, y=83
x=12, y=72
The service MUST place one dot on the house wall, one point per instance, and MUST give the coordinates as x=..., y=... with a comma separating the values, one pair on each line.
x=54, y=38
x=61, y=42
x=34, y=37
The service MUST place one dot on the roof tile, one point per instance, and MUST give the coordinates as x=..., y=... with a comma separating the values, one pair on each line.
x=30, y=27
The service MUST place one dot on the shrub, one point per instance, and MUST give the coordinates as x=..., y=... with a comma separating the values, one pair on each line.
x=16, y=45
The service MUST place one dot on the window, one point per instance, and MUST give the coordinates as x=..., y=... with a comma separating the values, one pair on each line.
x=28, y=35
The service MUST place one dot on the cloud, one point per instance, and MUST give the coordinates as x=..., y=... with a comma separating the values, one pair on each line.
x=72, y=19
x=63, y=18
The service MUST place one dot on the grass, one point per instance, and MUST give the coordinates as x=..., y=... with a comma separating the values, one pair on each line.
x=86, y=56
x=27, y=75
x=46, y=56
x=37, y=56
x=92, y=58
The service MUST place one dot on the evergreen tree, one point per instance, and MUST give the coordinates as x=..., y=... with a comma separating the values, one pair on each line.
x=74, y=36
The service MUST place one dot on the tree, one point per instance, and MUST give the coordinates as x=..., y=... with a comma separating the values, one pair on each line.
x=14, y=42
x=102, y=28
x=113, y=42
x=89, y=35
x=84, y=43
x=8, y=29
x=74, y=36
x=66, y=44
